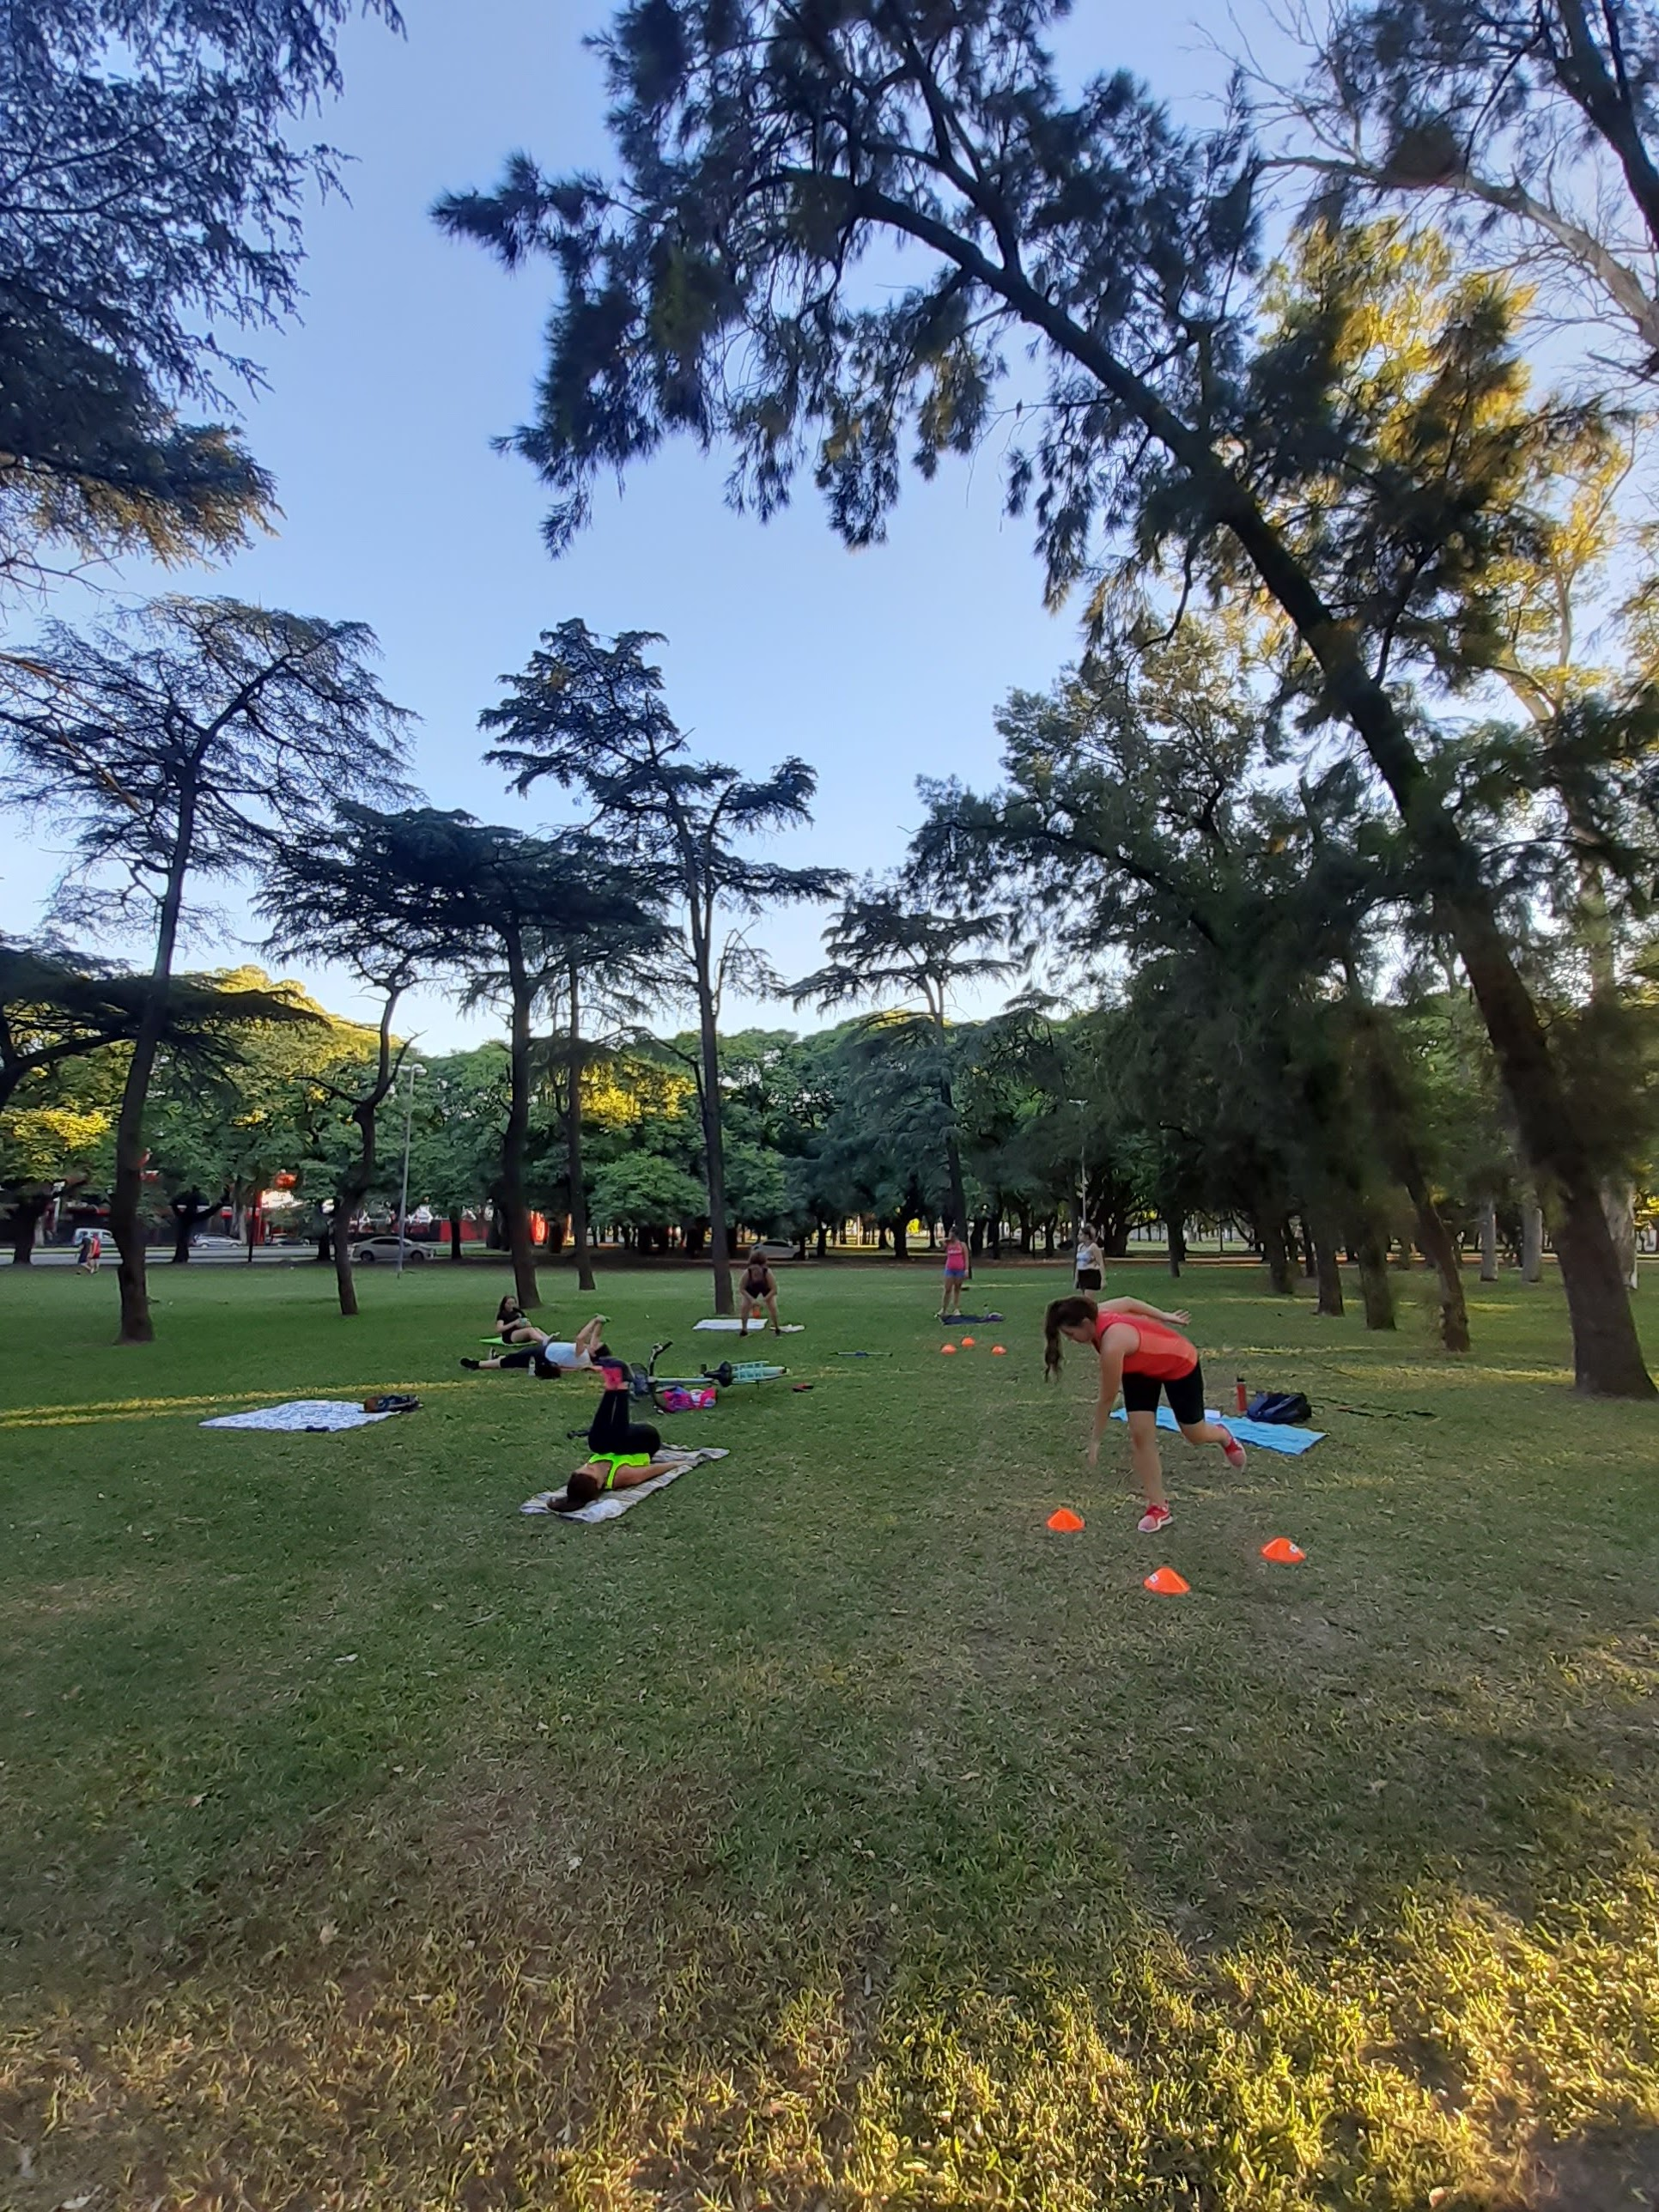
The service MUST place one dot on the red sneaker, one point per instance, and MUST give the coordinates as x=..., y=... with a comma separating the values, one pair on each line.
x=1238, y=1458
x=1154, y=1518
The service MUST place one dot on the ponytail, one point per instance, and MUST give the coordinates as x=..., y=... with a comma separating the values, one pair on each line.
x=1064, y=1313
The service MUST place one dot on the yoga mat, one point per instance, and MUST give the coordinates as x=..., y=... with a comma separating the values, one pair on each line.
x=755, y=1328
x=1267, y=1435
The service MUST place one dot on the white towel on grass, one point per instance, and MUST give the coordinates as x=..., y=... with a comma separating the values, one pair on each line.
x=613, y=1503
x=725, y=1321
x=301, y=1413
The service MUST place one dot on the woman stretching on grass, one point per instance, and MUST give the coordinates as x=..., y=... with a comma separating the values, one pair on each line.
x=622, y=1453
x=1140, y=1354
x=532, y=1347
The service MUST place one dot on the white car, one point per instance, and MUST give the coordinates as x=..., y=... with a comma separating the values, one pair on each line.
x=371, y=1249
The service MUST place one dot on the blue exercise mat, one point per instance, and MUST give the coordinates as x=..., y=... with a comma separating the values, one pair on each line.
x=1269, y=1436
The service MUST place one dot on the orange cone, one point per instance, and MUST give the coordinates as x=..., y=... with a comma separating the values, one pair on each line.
x=967, y=1340
x=947, y=1347
x=1167, y=1583
x=998, y=1352
x=1065, y=1521
x=1282, y=1552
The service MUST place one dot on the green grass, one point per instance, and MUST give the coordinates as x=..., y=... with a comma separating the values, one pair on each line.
x=826, y=1833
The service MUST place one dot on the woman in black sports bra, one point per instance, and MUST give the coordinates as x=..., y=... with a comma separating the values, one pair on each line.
x=758, y=1289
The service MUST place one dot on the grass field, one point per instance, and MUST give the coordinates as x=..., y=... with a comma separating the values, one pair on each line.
x=826, y=1833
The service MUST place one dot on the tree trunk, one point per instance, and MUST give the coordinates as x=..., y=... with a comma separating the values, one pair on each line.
x=25, y=1221
x=127, y=1192
x=1174, y=1225
x=902, y=1237
x=1489, y=1240
x=516, y=1136
x=1440, y=1249
x=1532, y=1241
x=1371, y=1253
x=957, y=1224
x=573, y=1139
x=345, y=1280
x=824, y=1239
x=455, y=1213
x=713, y=1141
x=325, y=1246
x=1328, y=1274
x=1276, y=1251
x=1619, y=1203
x=1310, y=1264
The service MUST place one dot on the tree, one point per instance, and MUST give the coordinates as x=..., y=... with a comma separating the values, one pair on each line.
x=503, y=909
x=264, y=1113
x=59, y=1142
x=455, y=1157
x=1527, y=125
x=601, y=964
x=57, y=1004
x=887, y=950
x=644, y=1191
x=1151, y=781
x=767, y=149
x=593, y=717
x=177, y=744
x=152, y=190
x=326, y=895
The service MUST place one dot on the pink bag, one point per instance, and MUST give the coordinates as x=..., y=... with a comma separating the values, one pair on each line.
x=675, y=1399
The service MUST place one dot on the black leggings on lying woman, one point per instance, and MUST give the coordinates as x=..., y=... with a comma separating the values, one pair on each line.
x=613, y=1435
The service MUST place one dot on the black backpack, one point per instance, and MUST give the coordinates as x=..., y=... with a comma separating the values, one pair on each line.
x=1286, y=1406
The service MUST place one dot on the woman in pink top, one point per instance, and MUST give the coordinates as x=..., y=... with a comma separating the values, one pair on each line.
x=1142, y=1354
x=956, y=1275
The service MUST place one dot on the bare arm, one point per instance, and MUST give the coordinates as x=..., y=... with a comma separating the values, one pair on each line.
x=1112, y=1354
x=1139, y=1306
x=630, y=1478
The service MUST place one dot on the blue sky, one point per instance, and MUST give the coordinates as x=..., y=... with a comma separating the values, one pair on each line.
x=414, y=351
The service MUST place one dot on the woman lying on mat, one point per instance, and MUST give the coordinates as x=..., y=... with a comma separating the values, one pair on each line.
x=1143, y=1354
x=624, y=1453
x=546, y=1355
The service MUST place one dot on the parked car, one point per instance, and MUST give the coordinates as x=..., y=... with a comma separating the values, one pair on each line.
x=770, y=1250
x=368, y=1250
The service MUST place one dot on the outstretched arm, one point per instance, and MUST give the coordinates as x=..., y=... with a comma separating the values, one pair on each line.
x=630, y=1478
x=1139, y=1306
x=1111, y=1382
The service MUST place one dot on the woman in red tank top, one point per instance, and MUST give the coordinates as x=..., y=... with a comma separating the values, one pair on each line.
x=1142, y=1355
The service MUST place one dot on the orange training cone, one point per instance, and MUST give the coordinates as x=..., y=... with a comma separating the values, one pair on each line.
x=1065, y=1521
x=1282, y=1552
x=1167, y=1583
x=966, y=1341
x=998, y=1352
x=947, y=1347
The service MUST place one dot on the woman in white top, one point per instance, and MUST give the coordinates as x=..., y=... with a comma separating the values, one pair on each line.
x=546, y=1356
x=1087, y=1266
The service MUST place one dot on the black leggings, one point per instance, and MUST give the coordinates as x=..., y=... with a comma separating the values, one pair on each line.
x=612, y=1431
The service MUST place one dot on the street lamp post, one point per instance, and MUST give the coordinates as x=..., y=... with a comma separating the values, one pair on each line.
x=414, y=1069
x=1082, y=1105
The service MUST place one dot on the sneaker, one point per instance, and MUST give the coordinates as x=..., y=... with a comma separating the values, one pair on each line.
x=1238, y=1458
x=1154, y=1518
x=470, y=1363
